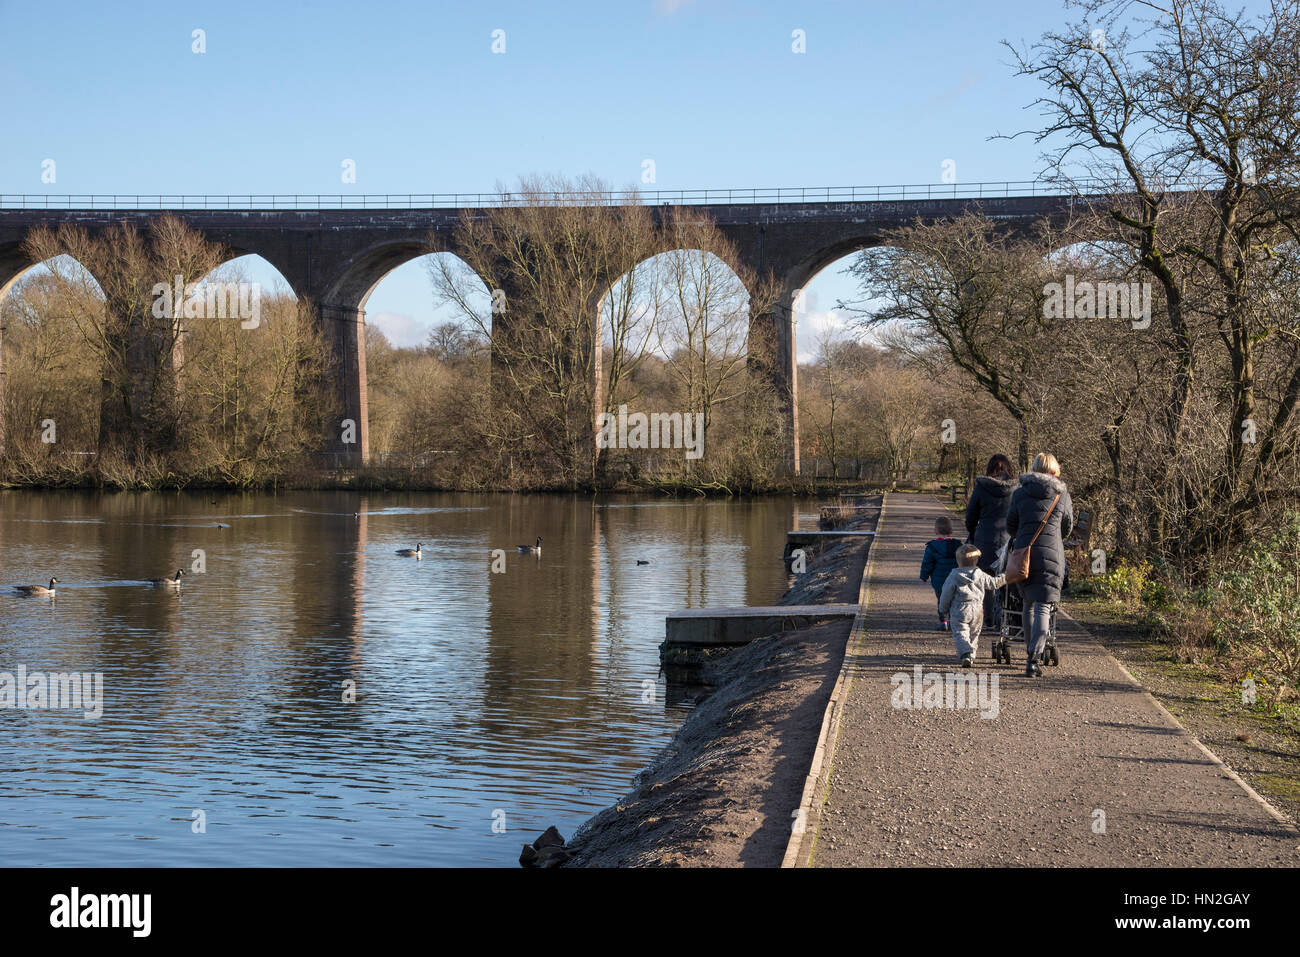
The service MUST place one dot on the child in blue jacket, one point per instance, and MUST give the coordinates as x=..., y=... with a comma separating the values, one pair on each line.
x=939, y=561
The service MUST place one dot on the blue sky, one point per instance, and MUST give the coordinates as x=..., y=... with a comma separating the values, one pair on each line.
x=710, y=90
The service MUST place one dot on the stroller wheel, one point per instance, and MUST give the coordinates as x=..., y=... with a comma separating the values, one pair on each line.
x=1056, y=659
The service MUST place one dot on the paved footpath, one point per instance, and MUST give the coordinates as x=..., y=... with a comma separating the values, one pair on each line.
x=1079, y=767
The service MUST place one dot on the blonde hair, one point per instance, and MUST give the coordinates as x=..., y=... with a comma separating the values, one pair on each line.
x=968, y=556
x=1046, y=462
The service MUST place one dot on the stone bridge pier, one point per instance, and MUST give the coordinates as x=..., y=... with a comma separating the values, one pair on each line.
x=344, y=328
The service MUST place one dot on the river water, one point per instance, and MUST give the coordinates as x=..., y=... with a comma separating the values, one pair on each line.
x=308, y=697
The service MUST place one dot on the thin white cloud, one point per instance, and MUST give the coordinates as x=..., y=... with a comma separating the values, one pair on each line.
x=401, y=330
x=968, y=81
x=811, y=326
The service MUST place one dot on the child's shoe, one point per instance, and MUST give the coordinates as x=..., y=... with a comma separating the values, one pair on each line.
x=943, y=626
x=966, y=661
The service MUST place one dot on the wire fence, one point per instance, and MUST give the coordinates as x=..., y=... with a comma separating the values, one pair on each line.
x=628, y=197
x=334, y=460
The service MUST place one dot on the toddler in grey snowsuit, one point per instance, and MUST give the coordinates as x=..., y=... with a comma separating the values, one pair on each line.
x=962, y=601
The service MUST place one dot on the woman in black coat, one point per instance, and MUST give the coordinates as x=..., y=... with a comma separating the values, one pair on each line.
x=986, y=517
x=1029, y=504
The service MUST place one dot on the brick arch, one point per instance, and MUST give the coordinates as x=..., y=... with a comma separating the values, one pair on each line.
x=354, y=280
x=230, y=253
x=798, y=275
x=15, y=263
x=663, y=248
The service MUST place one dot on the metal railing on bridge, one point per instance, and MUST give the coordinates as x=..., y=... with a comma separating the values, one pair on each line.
x=864, y=470
x=678, y=197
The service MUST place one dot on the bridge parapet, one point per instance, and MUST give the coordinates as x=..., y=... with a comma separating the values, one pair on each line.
x=617, y=197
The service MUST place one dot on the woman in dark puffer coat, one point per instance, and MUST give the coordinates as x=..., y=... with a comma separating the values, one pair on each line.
x=1029, y=504
x=986, y=518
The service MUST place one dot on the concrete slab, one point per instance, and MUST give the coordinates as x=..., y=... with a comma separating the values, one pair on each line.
x=739, y=626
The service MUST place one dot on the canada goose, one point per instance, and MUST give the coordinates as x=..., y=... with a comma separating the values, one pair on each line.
x=37, y=589
x=411, y=552
x=531, y=549
x=174, y=582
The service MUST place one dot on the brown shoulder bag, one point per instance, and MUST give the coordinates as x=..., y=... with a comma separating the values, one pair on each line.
x=1018, y=561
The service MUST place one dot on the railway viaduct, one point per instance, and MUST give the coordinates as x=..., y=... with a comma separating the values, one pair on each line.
x=335, y=257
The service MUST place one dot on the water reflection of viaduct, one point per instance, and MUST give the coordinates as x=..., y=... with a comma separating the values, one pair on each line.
x=590, y=618
x=600, y=612
x=580, y=622
x=336, y=258
x=576, y=622
x=320, y=599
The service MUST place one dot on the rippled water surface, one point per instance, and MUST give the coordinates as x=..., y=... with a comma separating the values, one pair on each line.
x=518, y=698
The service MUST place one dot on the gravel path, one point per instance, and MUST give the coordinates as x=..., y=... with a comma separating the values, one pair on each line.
x=1078, y=768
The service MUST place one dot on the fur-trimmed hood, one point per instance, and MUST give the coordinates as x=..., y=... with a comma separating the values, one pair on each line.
x=1042, y=485
x=997, y=487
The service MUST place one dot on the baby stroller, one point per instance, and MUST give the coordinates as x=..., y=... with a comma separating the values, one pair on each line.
x=1008, y=619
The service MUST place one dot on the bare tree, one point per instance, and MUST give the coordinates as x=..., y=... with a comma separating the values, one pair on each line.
x=566, y=271
x=49, y=373
x=826, y=395
x=138, y=344
x=898, y=408
x=705, y=298
x=549, y=264
x=253, y=400
x=975, y=293
x=1191, y=114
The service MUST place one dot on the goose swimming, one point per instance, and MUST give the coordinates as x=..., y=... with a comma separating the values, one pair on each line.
x=37, y=589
